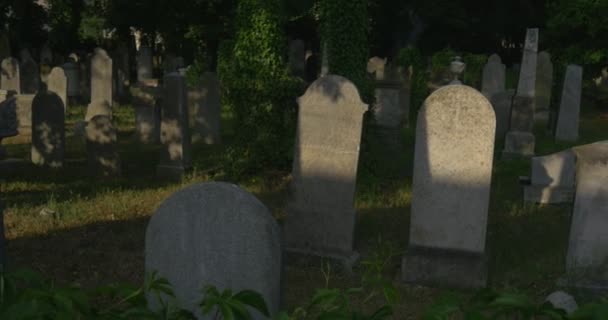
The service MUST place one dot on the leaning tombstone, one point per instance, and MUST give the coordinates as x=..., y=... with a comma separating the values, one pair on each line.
x=204, y=100
x=10, y=75
x=520, y=140
x=493, y=77
x=102, y=153
x=544, y=83
x=570, y=106
x=145, y=101
x=502, y=102
x=30, y=73
x=101, y=77
x=552, y=178
x=48, y=130
x=175, y=155
x=217, y=234
x=321, y=214
x=144, y=64
x=57, y=83
x=587, y=254
x=451, y=189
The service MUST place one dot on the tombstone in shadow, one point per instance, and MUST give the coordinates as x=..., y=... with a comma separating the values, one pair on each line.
x=146, y=101
x=502, y=102
x=72, y=74
x=144, y=63
x=552, y=178
x=297, y=58
x=10, y=78
x=48, y=129
x=205, y=105
x=321, y=215
x=544, y=84
x=30, y=73
x=218, y=234
x=570, y=105
x=102, y=153
x=493, y=76
x=451, y=190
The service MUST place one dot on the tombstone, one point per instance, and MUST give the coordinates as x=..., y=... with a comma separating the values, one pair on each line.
x=102, y=153
x=10, y=75
x=493, y=77
x=175, y=155
x=501, y=102
x=520, y=141
x=57, y=82
x=147, y=113
x=72, y=74
x=24, y=114
x=30, y=73
x=144, y=63
x=587, y=255
x=570, y=106
x=451, y=189
x=544, y=83
x=321, y=214
x=8, y=118
x=46, y=55
x=552, y=178
x=218, y=234
x=101, y=77
x=206, y=108
x=48, y=130
x=297, y=57
x=96, y=108
x=376, y=66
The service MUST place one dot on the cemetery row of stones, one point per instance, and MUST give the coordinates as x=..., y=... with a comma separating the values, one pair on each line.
x=218, y=234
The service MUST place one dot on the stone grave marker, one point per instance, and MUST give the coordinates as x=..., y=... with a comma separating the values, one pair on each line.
x=72, y=74
x=101, y=77
x=570, y=106
x=30, y=73
x=58, y=83
x=24, y=114
x=145, y=100
x=501, y=102
x=451, y=189
x=10, y=75
x=552, y=178
x=544, y=83
x=376, y=67
x=144, y=63
x=175, y=155
x=205, y=104
x=102, y=153
x=321, y=214
x=215, y=233
x=493, y=76
x=48, y=130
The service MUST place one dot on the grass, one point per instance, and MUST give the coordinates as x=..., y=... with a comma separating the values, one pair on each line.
x=95, y=234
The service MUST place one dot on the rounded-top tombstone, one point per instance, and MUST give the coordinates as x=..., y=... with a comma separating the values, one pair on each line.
x=58, y=83
x=451, y=188
x=217, y=234
x=48, y=130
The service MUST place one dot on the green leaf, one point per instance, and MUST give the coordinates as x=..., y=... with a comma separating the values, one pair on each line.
x=254, y=300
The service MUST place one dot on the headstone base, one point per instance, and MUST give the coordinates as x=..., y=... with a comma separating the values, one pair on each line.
x=548, y=195
x=444, y=267
x=518, y=144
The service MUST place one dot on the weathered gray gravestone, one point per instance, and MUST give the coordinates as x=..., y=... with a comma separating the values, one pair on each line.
x=520, y=140
x=102, y=153
x=206, y=108
x=144, y=64
x=101, y=77
x=145, y=100
x=30, y=73
x=217, y=234
x=48, y=130
x=451, y=189
x=552, y=178
x=58, y=83
x=72, y=74
x=493, y=76
x=570, y=106
x=10, y=75
x=321, y=214
x=544, y=82
x=175, y=155
x=587, y=257
x=24, y=114
x=297, y=57
x=501, y=102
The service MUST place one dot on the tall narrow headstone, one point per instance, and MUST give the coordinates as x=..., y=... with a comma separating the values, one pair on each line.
x=297, y=57
x=102, y=151
x=58, y=83
x=544, y=83
x=588, y=245
x=206, y=108
x=502, y=102
x=101, y=77
x=175, y=154
x=570, y=106
x=30, y=73
x=10, y=75
x=24, y=114
x=520, y=140
x=451, y=189
x=493, y=77
x=321, y=214
x=72, y=73
x=218, y=234
x=144, y=64
x=146, y=100
x=48, y=130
